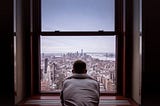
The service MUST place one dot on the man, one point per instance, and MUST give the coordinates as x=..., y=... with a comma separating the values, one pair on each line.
x=80, y=89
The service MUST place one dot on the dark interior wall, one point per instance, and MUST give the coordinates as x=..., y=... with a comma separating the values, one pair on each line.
x=7, y=93
x=6, y=53
x=136, y=66
x=151, y=53
x=23, y=60
x=128, y=46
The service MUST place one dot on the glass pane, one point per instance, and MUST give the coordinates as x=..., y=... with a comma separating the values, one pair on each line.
x=59, y=52
x=78, y=15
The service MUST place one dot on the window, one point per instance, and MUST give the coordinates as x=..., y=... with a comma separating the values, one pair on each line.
x=79, y=29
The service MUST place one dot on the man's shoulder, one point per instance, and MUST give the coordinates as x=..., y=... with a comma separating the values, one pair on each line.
x=80, y=76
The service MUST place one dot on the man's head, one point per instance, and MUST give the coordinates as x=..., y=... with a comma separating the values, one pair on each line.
x=79, y=67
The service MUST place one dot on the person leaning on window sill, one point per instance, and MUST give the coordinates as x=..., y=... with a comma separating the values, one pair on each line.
x=80, y=89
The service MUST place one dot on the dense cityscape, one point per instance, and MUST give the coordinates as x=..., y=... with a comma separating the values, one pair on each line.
x=55, y=67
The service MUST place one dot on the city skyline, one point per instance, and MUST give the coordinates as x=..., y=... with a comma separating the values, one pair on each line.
x=56, y=67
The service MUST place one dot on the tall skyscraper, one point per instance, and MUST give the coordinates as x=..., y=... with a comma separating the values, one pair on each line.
x=81, y=52
x=45, y=65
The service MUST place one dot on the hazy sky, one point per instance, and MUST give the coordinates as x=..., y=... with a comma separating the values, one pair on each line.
x=76, y=43
x=78, y=15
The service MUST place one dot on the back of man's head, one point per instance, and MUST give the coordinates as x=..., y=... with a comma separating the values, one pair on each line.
x=79, y=67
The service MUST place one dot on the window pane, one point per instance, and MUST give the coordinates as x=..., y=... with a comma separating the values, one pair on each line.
x=59, y=52
x=78, y=15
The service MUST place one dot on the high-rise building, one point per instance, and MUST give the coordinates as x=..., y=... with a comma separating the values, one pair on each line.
x=81, y=52
x=45, y=65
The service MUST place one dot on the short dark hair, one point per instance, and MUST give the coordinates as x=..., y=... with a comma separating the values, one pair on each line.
x=79, y=67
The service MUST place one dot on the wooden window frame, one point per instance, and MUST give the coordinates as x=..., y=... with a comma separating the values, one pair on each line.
x=35, y=46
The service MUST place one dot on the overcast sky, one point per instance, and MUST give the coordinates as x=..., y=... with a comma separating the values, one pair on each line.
x=63, y=44
x=78, y=15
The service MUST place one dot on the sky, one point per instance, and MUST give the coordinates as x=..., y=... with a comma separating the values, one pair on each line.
x=65, y=44
x=78, y=15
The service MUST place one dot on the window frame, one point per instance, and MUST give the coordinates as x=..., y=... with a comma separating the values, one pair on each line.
x=120, y=50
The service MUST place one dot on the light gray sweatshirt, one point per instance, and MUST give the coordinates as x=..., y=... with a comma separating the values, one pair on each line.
x=80, y=90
